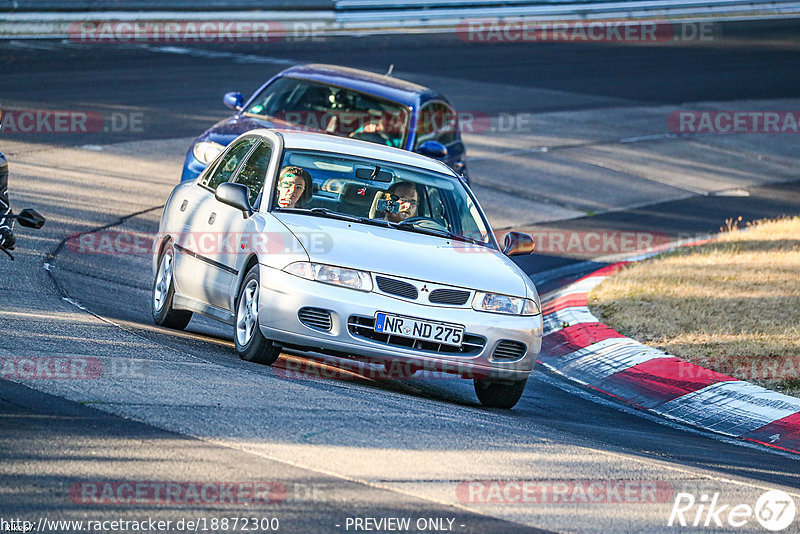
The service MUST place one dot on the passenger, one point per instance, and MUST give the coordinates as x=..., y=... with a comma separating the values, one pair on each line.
x=402, y=200
x=294, y=187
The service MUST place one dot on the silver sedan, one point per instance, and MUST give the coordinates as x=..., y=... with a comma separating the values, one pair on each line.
x=343, y=247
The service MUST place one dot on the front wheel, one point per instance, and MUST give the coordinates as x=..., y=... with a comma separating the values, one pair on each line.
x=250, y=343
x=499, y=395
x=164, y=292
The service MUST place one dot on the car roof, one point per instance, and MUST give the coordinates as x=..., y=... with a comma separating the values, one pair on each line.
x=295, y=139
x=360, y=80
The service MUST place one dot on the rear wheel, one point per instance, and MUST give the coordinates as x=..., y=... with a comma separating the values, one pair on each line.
x=250, y=343
x=164, y=292
x=499, y=395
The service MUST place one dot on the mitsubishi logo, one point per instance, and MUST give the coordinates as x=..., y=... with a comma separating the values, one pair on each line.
x=425, y=288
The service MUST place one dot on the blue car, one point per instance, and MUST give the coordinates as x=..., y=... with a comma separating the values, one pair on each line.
x=345, y=102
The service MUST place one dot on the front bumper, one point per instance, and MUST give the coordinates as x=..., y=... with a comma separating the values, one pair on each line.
x=283, y=295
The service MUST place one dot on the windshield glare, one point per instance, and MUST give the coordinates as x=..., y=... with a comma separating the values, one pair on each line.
x=343, y=184
x=335, y=110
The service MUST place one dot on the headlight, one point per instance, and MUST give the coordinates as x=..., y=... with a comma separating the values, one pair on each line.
x=329, y=274
x=494, y=303
x=206, y=151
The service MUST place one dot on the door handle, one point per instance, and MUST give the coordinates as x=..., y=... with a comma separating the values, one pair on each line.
x=212, y=218
x=184, y=204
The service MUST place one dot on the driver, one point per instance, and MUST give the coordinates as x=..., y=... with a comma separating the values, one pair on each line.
x=294, y=187
x=7, y=239
x=402, y=200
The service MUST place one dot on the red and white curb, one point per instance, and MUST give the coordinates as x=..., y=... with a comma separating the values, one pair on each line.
x=578, y=346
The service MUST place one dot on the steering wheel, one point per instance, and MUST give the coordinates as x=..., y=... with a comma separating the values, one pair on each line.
x=424, y=222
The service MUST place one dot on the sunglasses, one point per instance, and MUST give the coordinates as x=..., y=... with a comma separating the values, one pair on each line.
x=291, y=185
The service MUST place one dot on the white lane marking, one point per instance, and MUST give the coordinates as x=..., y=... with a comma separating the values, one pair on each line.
x=215, y=54
x=640, y=138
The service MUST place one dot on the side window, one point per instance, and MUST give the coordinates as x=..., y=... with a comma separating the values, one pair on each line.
x=437, y=122
x=254, y=171
x=228, y=164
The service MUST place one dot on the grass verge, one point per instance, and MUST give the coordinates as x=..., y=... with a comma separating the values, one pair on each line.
x=732, y=305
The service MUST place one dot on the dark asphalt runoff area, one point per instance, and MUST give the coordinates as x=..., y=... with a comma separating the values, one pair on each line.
x=48, y=443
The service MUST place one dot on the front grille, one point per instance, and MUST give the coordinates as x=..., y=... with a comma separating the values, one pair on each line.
x=449, y=296
x=364, y=327
x=509, y=350
x=315, y=318
x=397, y=287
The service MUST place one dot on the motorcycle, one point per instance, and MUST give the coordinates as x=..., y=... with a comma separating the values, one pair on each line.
x=28, y=218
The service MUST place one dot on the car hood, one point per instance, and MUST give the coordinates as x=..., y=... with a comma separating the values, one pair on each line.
x=405, y=254
x=229, y=129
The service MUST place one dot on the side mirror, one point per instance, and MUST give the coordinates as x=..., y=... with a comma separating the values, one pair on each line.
x=433, y=149
x=518, y=243
x=233, y=100
x=30, y=218
x=235, y=195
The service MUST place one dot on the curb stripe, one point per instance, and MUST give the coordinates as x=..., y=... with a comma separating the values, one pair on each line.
x=783, y=433
x=732, y=408
x=597, y=362
x=576, y=337
x=567, y=317
x=660, y=380
x=573, y=300
x=587, y=351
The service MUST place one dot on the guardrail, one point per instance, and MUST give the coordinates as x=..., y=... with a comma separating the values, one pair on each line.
x=55, y=18
x=357, y=12
x=28, y=6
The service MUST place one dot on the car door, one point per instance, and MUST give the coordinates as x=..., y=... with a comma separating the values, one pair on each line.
x=196, y=271
x=236, y=230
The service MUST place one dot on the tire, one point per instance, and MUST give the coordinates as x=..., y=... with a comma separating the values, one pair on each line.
x=251, y=345
x=499, y=395
x=164, y=292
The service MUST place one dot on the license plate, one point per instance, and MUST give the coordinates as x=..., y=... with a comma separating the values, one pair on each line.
x=447, y=334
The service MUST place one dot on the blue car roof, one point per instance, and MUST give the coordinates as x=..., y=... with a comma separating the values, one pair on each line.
x=407, y=93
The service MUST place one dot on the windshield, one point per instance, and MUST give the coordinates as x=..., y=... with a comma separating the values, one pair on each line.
x=343, y=112
x=379, y=192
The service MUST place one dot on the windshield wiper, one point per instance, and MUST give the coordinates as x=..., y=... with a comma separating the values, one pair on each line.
x=325, y=212
x=376, y=222
x=409, y=227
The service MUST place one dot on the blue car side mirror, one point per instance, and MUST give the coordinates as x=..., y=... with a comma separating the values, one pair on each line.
x=233, y=100
x=433, y=149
